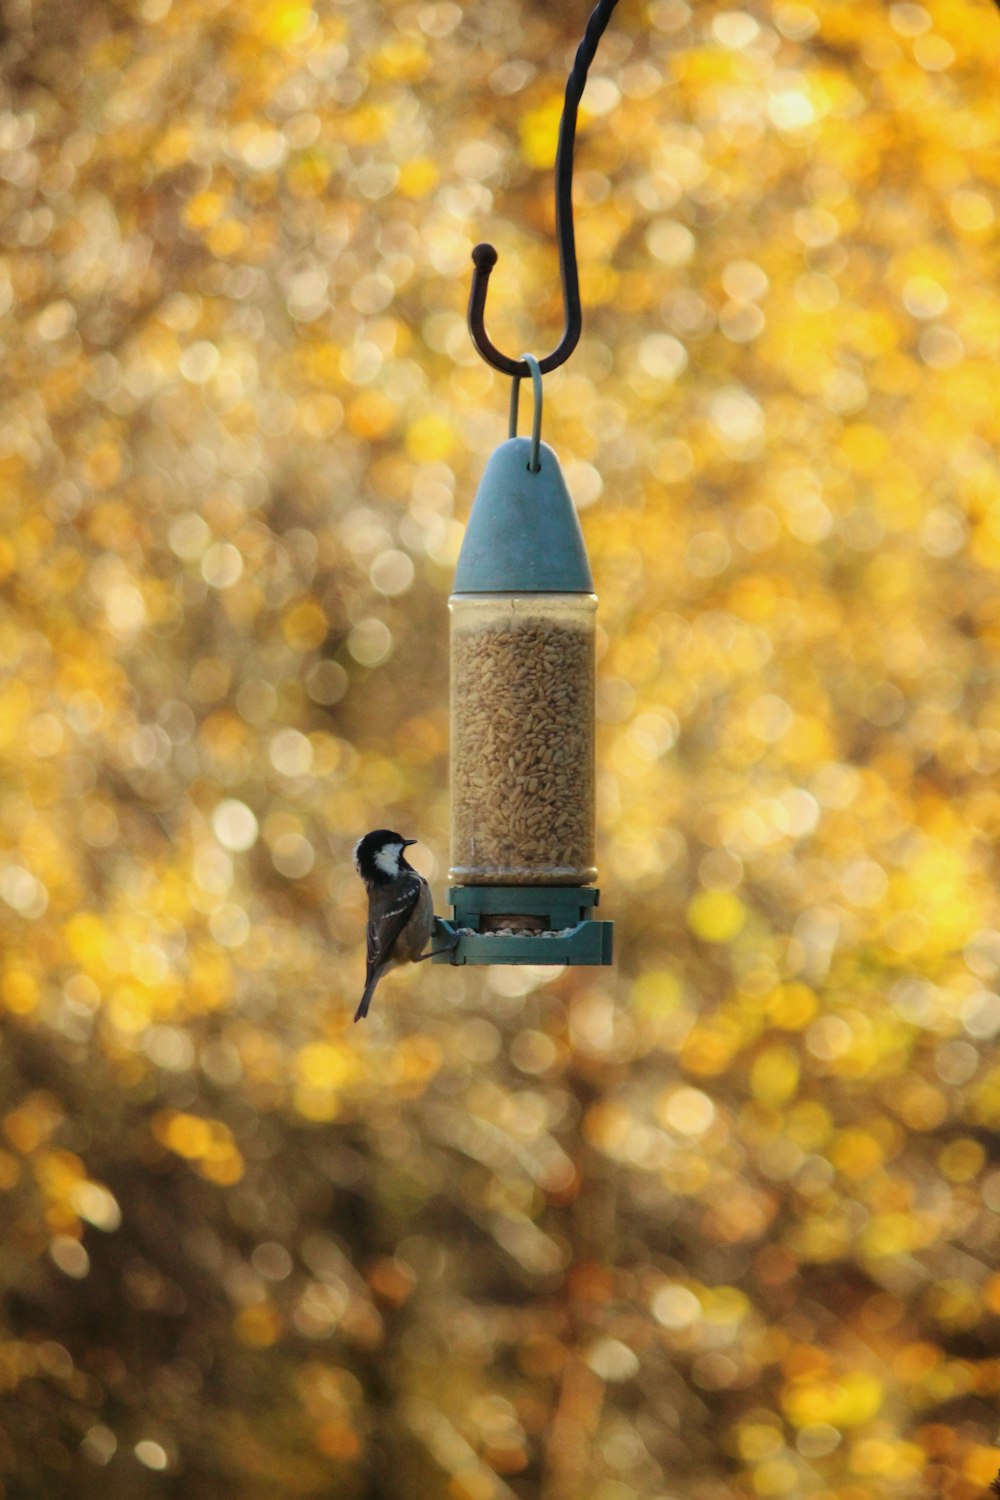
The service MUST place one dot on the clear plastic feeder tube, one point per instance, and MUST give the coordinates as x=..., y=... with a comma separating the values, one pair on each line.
x=522, y=738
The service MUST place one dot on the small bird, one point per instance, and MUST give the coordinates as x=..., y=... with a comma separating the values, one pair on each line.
x=400, y=907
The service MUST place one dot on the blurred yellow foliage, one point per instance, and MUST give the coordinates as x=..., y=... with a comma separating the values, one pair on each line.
x=722, y=1220
x=849, y=1401
x=206, y=1143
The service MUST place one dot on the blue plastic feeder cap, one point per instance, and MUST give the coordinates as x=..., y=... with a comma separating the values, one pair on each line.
x=523, y=535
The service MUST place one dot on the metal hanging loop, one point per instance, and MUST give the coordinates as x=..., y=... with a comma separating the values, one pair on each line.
x=484, y=256
x=530, y=363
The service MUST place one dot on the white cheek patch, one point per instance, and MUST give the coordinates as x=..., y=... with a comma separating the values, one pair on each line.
x=387, y=859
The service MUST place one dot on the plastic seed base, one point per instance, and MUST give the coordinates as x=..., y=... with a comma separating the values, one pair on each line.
x=570, y=936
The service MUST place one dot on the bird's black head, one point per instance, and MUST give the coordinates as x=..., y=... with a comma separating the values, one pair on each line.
x=380, y=856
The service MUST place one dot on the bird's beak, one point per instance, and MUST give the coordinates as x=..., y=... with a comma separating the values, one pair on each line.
x=408, y=842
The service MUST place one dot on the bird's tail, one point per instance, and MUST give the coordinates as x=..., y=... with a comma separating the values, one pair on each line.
x=366, y=998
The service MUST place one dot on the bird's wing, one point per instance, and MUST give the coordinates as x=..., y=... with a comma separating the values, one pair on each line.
x=383, y=932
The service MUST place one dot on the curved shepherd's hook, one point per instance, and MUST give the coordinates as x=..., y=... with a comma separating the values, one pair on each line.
x=484, y=256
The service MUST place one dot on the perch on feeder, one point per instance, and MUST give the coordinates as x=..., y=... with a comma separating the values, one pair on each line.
x=522, y=665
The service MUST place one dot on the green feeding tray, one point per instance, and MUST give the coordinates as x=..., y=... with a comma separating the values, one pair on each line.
x=570, y=935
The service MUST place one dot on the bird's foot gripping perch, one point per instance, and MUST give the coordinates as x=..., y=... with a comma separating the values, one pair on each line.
x=441, y=927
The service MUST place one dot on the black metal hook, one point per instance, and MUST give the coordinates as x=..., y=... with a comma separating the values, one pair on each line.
x=484, y=256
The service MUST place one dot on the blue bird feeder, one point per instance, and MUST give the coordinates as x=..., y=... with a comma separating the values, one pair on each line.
x=522, y=719
x=522, y=662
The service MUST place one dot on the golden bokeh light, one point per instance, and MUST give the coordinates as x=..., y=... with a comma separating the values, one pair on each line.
x=720, y=1223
